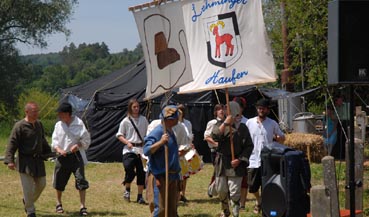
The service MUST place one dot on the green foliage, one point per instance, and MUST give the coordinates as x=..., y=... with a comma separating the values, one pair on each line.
x=26, y=21
x=307, y=23
x=46, y=103
x=31, y=21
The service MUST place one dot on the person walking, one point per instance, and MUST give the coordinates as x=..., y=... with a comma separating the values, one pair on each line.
x=161, y=136
x=28, y=138
x=263, y=131
x=213, y=145
x=186, y=142
x=70, y=140
x=230, y=167
x=131, y=132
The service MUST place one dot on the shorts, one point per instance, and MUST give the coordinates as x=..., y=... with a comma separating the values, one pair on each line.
x=64, y=167
x=254, y=179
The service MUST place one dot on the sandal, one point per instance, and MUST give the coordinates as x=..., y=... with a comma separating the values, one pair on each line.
x=83, y=211
x=257, y=208
x=59, y=209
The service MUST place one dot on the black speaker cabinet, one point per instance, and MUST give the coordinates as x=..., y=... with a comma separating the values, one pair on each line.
x=285, y=182
x=348, y=42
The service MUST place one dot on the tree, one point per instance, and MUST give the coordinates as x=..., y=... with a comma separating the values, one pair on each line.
x=30, y=21
x=26, y=21
x=307, y=23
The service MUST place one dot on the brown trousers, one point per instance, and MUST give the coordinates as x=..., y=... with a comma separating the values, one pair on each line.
x=156, y=196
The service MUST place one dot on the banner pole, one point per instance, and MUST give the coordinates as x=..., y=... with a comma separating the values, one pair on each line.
x=230, y=127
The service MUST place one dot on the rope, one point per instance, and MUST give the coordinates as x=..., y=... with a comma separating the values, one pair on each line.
x=107, y=84
x=47, y=103
x=330, y=98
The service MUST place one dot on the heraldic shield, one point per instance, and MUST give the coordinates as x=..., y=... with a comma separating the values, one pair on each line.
x=223, y=39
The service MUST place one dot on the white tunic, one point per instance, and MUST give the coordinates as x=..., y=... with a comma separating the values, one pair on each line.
x=127, y=130
x=65, y=136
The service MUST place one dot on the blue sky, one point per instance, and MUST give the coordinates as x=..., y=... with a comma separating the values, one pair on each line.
x=96, y=21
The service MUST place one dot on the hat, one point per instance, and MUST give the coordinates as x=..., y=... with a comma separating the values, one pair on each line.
x=65, y=107
x=263, y=103
x=234, y=108
x=169, y=112
x=240, y=100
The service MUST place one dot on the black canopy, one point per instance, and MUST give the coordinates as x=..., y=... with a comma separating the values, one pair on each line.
x=102, y=104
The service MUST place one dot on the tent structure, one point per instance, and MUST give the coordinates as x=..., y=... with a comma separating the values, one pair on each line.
x=102, y=104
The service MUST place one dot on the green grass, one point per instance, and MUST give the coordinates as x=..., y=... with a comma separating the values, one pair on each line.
x=104, y=198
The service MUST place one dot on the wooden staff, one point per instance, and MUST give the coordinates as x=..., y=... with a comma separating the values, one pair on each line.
x=166, y=169
x=230, y=127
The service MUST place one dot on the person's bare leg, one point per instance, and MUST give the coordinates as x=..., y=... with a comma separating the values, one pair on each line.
x=257, y=207
x=128, y=185
x=58, y=197
x=140, y=189
x=82, y=198
x=243, y=197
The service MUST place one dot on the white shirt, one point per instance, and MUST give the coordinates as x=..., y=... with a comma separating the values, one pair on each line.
x=127, y=130
x=209, y=128
x=262, y=135
x=65, y=136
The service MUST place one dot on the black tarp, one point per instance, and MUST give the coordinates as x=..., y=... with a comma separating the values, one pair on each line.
x=102, y=104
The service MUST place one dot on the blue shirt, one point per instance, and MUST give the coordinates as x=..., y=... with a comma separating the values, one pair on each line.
x=156, y=162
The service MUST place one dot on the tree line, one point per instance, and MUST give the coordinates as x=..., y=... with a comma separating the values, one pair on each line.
x=31, y=21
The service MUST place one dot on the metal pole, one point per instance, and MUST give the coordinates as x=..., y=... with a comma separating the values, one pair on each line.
x=352, y=185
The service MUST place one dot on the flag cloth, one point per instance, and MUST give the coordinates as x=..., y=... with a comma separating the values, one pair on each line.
x=228, y=44
x=165, y=48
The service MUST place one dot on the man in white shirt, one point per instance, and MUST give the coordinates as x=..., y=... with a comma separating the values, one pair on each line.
x=262, y=130
x=70, y=139
x=131, y=133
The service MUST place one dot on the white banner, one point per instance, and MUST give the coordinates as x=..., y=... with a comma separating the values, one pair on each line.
x=228, y=44
x=165, y=48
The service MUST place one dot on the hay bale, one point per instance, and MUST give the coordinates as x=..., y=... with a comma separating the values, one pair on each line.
x=300, y=141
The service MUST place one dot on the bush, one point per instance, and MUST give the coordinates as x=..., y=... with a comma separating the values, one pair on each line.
x=48, y=126
x=46, y=102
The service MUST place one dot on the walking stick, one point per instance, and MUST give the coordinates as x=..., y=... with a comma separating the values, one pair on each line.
x=166, y=173
x=166, y=180
x=230, y=127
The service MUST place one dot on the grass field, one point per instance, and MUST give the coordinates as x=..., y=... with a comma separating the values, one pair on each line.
x=104, y=198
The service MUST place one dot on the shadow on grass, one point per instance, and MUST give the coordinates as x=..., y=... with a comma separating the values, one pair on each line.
x=197, y=215
x=94, y=213
x=208, y=200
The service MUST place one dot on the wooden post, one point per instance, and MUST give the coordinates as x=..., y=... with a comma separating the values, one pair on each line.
x=230, y=127
x=166, y=180
x=320, y=202
x=330, y=182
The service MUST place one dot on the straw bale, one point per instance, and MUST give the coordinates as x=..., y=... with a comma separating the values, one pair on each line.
x=300, y=141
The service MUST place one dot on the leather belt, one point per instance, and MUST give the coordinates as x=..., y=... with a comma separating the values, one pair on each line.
x=136, y=144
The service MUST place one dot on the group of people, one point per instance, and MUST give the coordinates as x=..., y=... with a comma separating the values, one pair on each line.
x=143, y=155
x=235, y=143
x=70, y=139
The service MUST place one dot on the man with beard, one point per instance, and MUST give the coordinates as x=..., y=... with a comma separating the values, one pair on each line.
x=263, y=131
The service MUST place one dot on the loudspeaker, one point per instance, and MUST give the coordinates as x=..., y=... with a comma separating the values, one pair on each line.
x=348, y=42
x=285, y=182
